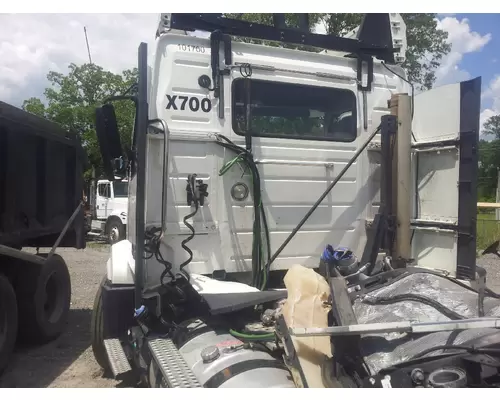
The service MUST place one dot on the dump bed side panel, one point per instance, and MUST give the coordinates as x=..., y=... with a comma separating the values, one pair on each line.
x=41, y=181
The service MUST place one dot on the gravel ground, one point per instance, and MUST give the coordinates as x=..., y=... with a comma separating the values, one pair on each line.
x=68, y=361
x=491, y=263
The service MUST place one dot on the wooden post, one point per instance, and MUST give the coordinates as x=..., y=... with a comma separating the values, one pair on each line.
x=401, y=183
x=404, y=179
x=394, y=105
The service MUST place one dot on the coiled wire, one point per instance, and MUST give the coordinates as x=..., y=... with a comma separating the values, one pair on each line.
x=191, y=183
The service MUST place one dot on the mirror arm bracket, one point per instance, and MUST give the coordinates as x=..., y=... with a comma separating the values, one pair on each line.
x=119, y=98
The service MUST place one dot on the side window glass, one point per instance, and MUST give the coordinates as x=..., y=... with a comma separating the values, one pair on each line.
x=284, y=110
x=103, y=190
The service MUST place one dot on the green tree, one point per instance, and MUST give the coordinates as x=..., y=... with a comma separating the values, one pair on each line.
x=492, y=126
x=426, y=43
x=489, y=160
x=72, y=98
x=489, y=163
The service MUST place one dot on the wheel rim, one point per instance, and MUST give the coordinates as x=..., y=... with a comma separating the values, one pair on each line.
x=53, y=304
x=114, y=234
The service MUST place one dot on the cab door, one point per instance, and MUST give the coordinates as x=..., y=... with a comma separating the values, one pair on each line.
x=301, y=132
x=102, y=199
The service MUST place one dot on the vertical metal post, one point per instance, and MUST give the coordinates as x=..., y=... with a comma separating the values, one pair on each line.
x=141, y=149
x=393, y=162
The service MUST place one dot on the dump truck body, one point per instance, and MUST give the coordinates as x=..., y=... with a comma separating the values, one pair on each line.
x=41, y=205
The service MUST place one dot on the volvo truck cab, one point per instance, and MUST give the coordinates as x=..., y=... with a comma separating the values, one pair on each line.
x=297, y=215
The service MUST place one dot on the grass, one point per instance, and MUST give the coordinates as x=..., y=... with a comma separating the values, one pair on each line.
x=488, y=229
x=97, y=245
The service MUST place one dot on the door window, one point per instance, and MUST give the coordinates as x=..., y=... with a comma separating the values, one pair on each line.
x=103, y=190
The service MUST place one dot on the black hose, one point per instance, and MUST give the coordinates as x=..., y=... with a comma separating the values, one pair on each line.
x=416, y=270
x=468, y=349
x=414, y=297
x=268, y=242
x=152, y=248
x=488, y=292
x=259, y=270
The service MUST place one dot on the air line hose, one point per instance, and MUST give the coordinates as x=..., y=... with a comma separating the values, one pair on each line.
x=260, y=258
x=257, y=337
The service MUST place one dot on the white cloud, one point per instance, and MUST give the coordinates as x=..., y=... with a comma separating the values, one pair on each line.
x=33, y=44
x=492, y=93
x=462, y=41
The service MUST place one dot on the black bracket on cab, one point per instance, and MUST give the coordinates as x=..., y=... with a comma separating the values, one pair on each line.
x=200, y=191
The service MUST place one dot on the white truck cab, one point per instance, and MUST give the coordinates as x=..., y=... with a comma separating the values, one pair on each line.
x=253, y=167
x=111, y=203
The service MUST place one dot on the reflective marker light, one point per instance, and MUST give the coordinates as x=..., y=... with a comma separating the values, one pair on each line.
x=239, y=191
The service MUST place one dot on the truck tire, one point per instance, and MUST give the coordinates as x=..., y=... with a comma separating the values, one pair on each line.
x=44, y=298
x=97, y=330
x=115, y=230
x=8, y=321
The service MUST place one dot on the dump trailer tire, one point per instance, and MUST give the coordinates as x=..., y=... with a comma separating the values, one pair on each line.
x=44, y=298
x=115, y=230
x=8, y=321
x=97, y=330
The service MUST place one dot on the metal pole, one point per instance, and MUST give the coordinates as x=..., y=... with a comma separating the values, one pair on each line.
x=401, y=327
x=330, y=187
x=87, y=41
x=141, y=143
x=65, y=229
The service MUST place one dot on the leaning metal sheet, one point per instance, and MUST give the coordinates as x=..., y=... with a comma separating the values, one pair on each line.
x=384, y=350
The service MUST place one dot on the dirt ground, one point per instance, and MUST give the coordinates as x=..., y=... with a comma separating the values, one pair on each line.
x=68, y=361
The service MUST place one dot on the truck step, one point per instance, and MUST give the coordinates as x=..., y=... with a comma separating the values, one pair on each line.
x=118, y=362
x=174, y=368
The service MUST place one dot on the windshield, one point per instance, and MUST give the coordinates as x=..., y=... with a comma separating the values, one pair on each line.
x=120, y=189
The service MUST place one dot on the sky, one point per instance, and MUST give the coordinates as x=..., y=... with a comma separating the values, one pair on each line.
x=31, y=45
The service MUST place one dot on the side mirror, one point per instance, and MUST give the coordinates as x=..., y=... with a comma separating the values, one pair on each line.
x=109, y=141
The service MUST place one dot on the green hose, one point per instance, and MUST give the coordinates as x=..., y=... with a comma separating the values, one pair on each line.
x=248, y=336
x=258, y=244
x=227, y=166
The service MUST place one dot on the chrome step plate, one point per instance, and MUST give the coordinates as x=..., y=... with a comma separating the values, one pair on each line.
x=174, y=368
x=118, y=361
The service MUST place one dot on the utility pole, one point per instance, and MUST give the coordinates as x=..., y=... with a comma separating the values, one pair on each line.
x=87, y=41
